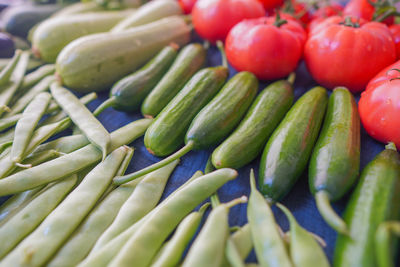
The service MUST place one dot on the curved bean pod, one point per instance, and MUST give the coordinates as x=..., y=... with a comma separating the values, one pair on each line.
x=383, y=243
x=6, y=72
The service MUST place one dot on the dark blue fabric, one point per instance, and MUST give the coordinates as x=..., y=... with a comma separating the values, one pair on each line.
x=299, y=200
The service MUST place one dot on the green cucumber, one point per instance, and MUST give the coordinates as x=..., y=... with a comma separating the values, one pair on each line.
x=167, y=131
x=216, y=120
x=152, y=11
x=95, y=62
x=376, y=199
x=287, y=152
x=128, y=93
x=335, y=161
x=52, y=35
x=189, y=60
x=249, y=138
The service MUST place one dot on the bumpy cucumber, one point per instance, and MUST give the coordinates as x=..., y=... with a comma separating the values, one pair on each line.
x=52, y=35
x=376, y=199
x=189, y=60
x=249, y=138
x=128, y=93
x=95, y=62
x=152, y=11
x=216, y=120
x=287, y=152
x=167, y=131
x=335, y=161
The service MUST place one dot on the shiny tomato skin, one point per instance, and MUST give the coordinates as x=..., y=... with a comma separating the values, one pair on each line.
x=271, y=4
x=339, y=55
x=379, y=106
x=187, y=5
x=213, y=19
x=363, y=9
x=395, y=31
x=270, y=52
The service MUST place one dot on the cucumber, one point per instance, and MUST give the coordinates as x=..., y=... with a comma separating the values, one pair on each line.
x=167, y=131
x=189, y=60
x=95, y=62
x=249, y=138
x=128, y=93
x=216, y=120
x=287, y=151
x=335, y=161
x=53, y=34
x=150, y=12
x=376, y=199
x=18, y=20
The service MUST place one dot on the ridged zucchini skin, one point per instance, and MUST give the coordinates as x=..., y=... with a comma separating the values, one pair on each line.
x=335, y=161
x=250, y=137
x=189, y=60
x=130, y=91
x=287, y=152
x=167, y=132
x=53, y=34
x=219, y=117
x=376, y=199
x=95, y=62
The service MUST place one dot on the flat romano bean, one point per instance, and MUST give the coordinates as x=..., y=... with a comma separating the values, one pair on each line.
x=242, y=241
x=149, y=238
x=42, y=244
x=268, y=244
x=38, y=158
x=16, y=79
x=209, y=247
x=192, y=193
x=171, y=253
x=34, y=77
x=7, y=136
x=7, y=122
x=69, y=163
x=23, y=101
x=145, y=197
x=28, y=218
x=15, y=203
x=27, y=124
x=82, y=117
x=7, y=71
x=81, y=242
x=304, y=248
x=5, y=145
x=65, y=144
x=383, y=250
x=5, y=152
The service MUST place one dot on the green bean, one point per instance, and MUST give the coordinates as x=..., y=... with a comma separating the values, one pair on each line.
x=43, y=133
x=176, y=205
x=15, y=203
x=7, y=122
x=69, y=163
x=7, y=136
x=65, y=144
x=43, y=243
x=5, y=152
x=7, y=71
x=25, y=99
x=34, y=77
x=61, y=115
x=383, y=247
x=209, y=247
x=26, y=125
x=26, y=220
x=16, y=79
x=304, y=249
x=33, y=63
x=242, y=241
x=81, y=242
x=171, y=253
x=268, y=244
x=5, y=145
x=82, y=117
x=145, y=197
x=38, y=158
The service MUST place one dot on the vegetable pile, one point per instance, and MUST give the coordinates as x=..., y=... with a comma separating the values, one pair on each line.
x=69, y=199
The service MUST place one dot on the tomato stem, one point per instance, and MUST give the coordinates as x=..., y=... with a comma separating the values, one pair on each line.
x=391, y=145
x=347, y=22
x=279, y=21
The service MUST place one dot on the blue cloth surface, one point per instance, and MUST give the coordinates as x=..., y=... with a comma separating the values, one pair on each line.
x=299, y=200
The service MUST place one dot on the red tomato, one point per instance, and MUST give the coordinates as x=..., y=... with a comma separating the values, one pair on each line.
x=362, y=9
x=395, y=31
x=379, y=106
x=269, y=51
x=271, y=4
x=344, y=55
x=187, y=5
x=329, y=10
x=213, y=19
x=301, y=12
